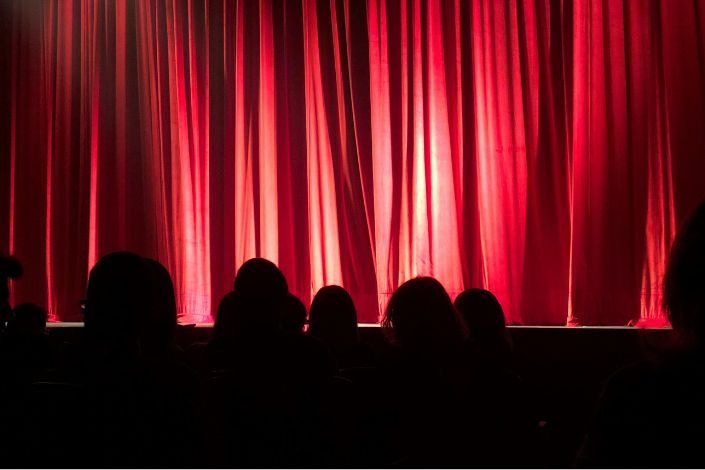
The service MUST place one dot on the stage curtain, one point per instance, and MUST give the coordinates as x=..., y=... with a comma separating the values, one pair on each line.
x=544, y=149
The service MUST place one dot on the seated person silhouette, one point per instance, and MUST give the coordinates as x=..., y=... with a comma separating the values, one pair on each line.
x=265, y=396
x=249, y=331
x=24, y=346
x=139, y=399
x=426, y=383
x=451, y=413
x=504, y=414
x=25, y=357
x=488, y=339
x=248, y=322
x=652, y=414
x=159, y=326
x=293, y=315
x=116, y=304
x=333, y=320
x=10, y=268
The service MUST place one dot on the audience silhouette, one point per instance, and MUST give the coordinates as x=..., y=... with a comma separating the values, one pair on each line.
x=261, y=393
x=254, y=309
x=488, y=339
x=421, y=320
x=159, y=325
x=10, y=268
x=24, y=348
x=266, y=401
x=630, y=429
x=505, y=414
x=333, y=320
x=28, y=322
x=116, y=304
x=139, y=398
x=249, y=318
x=427, y=389
x=293, y=315
x=261, y=280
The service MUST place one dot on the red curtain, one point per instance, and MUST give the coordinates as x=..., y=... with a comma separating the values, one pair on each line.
x=544, y=149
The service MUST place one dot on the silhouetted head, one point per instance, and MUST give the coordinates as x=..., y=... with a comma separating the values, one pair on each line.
x=481, y=311
x=489, y=341
x=10, y=268
x=25, y=341
x=259, y=278
x=262, y=291
x=117, y=299
x=159, y=326
x=241, y=320
x=684, y=281
x=333, y=318
x=233, y=339
x=421, y=318
x=229, y=324
x=27, y=321
x=293, y=317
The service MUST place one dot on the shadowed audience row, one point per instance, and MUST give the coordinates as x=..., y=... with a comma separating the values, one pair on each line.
x=273, y=389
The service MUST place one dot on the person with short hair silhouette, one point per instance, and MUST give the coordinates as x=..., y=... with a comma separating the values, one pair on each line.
x=24, y=346
x=158, y=329
x=260, y=279
x=116, y=304
x=420, y=319
x=504, y=415
x=249, y=318
x=140, y=397
x=293, y=318
x=488, y=339
x=10, y=268
x=265, y=406
x=261, y=290
x=684, y=282
x=481, y=311
x=652, y=414
x=426, y=382
x=27, y=321
x=333, y=320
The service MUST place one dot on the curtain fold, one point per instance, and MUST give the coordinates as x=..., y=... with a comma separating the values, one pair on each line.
x=545, y=150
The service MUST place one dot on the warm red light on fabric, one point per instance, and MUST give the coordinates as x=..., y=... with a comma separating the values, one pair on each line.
x=544, y=150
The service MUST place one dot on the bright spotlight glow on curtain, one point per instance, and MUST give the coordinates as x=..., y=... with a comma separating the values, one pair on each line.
x=543, y=149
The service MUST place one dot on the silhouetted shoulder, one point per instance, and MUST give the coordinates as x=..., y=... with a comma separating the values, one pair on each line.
x=650, y=415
